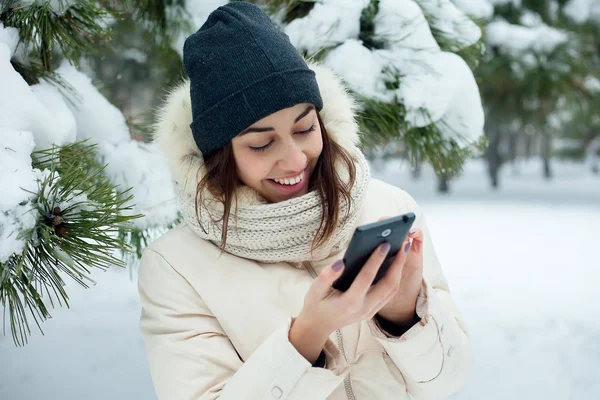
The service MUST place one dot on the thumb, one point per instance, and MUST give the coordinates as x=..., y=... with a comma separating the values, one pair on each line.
x=322, y=284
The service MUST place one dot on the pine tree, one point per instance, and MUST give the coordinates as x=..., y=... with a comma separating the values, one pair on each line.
x=537, y=78
x=67, y=206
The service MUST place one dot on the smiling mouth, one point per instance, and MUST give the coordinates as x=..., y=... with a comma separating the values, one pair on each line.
x=292, y=184
x=290, y=181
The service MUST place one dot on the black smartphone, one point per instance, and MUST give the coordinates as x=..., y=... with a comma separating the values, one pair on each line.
x=365, y=240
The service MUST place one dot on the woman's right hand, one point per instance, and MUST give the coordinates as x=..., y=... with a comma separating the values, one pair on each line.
x=327, y=309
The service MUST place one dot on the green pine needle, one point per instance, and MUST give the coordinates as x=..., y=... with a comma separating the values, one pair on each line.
x=80, y=215
x=367, y=27
x=383, y=123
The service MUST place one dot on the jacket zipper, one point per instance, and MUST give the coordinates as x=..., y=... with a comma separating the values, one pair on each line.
x=340, y=340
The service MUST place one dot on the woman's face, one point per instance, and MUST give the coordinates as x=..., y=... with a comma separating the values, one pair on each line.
x=277, y=155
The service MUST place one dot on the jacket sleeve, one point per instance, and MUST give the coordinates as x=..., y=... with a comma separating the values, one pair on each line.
x=434, y=356
x=191, y=357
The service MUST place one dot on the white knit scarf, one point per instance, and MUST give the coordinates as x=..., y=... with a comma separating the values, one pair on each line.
x=284, y=231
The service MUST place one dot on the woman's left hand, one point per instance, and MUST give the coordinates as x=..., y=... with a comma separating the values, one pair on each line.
x=401, y=307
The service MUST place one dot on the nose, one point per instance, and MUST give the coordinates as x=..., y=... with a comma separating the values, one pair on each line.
x=293, y=158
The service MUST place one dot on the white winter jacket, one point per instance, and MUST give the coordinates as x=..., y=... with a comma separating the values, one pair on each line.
x=216, y=325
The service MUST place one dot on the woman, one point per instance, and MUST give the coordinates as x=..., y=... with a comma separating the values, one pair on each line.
x=237, y=301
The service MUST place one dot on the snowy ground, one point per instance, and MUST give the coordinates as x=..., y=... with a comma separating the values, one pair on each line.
x=522, y=264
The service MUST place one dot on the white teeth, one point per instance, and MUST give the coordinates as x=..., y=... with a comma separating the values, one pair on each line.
x=290, y=181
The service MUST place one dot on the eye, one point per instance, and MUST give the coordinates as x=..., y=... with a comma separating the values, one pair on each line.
x=261, y=148
x=309, y=130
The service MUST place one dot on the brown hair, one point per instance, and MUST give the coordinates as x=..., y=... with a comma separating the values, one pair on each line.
x=221, y=180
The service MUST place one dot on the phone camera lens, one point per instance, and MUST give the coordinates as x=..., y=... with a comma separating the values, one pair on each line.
x=386, y=233
x=404, y=219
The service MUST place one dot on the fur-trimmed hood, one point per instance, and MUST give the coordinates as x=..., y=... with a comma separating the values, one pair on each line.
x=174, y=138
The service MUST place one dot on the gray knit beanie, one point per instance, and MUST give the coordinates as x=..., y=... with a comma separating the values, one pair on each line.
x=242, y=69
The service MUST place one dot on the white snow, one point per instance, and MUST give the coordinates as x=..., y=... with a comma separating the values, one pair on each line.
x=141, y=167
x=517, y=39
x=581, y=11
x=520, y=263
x=464, y=118
x=429, y=84
x=476, y=9
x=136, y=55
x=60, y=6
x=54, y=102
x=18, y=181
x=97, y=119
x=592, y=84
x=22, y=108
x=452, y=22
x=435, y=86
x=329, y=23
x=361, y=69
x=530, y=18
x=130, y=164
x=402, y=23
x=10, y=37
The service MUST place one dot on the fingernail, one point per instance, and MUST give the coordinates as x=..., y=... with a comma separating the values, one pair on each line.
x=412, y=232
x=337, y=265
x=407, y=247
x=385, y=248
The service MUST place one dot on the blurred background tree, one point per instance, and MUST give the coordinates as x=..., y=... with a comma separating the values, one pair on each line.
x=539, y=82
x=138, y=61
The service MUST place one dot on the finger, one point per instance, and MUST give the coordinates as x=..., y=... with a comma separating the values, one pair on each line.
x=390, y=282
x=416, y=233
x=417, y=237
x=327, y=277
x=367, y=274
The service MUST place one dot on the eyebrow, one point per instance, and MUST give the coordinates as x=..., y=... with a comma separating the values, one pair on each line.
x=268, y=128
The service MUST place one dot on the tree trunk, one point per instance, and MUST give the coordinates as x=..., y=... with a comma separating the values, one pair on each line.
x=416, y=171
x=592, y=155
x=443, y=184
x=513, y=148
x=528, y=145
x=493, y=156
x=546, y=153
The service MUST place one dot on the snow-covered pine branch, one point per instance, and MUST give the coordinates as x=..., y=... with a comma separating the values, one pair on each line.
x=412, y=92
x=74, y=183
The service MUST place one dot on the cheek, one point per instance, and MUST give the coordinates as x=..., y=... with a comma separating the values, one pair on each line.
x=251, y=169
